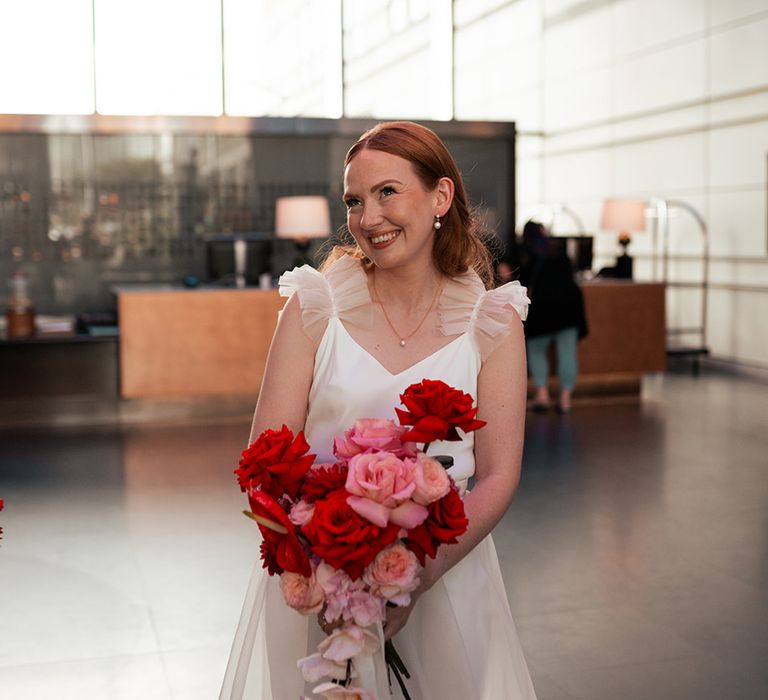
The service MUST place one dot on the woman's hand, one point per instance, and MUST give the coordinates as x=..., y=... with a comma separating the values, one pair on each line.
x=396, y=618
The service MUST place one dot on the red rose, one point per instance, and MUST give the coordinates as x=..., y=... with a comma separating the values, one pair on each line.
x=281, y=549
x=322, y=480
x=444, y=524
x=275, y=462
x=435, y=410
x=342, y=538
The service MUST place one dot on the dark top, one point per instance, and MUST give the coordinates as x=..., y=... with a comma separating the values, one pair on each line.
x=556, y=300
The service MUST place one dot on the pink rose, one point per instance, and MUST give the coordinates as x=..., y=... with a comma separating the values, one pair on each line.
x=393, y=574
x=334, y=691
x=381, y=486
x=301, y=593
x=301, y=513
x=432, y=481
x=373, y=434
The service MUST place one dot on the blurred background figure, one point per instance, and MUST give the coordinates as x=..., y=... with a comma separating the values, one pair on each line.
x=556, y=315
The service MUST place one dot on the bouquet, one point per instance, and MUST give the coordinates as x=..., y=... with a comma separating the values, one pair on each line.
x=350, y=538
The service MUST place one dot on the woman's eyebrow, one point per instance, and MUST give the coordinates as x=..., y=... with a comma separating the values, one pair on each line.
x=385, y=182
x=375, y=187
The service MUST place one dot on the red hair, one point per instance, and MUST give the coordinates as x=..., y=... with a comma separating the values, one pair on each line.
x=458, y=246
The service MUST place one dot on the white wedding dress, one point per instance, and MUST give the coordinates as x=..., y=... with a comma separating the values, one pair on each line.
x=460, y=642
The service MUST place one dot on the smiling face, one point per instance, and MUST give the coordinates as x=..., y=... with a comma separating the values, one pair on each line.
x=390, y=212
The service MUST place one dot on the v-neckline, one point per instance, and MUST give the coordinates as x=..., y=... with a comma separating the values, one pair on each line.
x=407, y=369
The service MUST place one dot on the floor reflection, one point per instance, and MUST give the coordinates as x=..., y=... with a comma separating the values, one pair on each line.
x=635, y=554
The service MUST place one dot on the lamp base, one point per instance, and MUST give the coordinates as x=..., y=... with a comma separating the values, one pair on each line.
x=624, y=267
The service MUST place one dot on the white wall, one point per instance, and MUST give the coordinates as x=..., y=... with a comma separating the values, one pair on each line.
x=641, y=99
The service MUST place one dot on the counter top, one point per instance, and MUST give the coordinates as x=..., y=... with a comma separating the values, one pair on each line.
x=168, y=287
x=617, y=282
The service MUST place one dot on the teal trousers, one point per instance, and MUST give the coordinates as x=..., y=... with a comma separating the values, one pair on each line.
x=565, y=348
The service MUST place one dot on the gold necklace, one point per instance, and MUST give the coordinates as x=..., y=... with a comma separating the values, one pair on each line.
x=402, y=337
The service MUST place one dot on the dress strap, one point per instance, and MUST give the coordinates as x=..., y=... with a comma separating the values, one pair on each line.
x=486, y=315
x=341, y=291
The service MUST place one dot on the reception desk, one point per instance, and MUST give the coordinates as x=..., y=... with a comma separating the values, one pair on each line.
x=627, y=336
x=205, y=342
x=194, y=342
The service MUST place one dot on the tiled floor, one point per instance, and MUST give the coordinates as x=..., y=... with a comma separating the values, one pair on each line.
x=635, y=554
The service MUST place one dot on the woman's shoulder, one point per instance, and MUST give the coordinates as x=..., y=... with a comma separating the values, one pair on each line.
x=487, y=315
x=339, y=291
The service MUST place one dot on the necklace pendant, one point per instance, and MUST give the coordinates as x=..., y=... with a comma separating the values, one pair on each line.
x=402, y=342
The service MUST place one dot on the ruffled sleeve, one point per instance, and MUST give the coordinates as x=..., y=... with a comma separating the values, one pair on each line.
x=487, y=316
x=340, y=292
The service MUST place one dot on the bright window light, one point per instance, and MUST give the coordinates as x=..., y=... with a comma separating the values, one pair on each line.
x=398, y=59
x=158, y=57
x=46, y=50
x=283, y=58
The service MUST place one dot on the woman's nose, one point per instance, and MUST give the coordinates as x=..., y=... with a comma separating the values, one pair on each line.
x=371, y=216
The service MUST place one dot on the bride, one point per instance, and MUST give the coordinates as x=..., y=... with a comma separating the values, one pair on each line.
x=407, y=301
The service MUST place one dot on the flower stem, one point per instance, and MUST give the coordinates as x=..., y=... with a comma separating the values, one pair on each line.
x=396, y=666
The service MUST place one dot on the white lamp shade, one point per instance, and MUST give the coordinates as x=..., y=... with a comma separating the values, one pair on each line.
x=623, y=215
x=302, y=217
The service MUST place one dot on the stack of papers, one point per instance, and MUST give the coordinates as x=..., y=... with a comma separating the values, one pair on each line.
x=55, y=324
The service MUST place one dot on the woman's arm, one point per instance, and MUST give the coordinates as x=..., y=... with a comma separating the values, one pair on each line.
x=287, y=375
x=501, y=394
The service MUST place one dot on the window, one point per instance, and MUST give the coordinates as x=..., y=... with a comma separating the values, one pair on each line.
x=158, y=57
x=46, y=50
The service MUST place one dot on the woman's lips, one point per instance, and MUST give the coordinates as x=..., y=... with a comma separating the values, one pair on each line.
x=382, y=240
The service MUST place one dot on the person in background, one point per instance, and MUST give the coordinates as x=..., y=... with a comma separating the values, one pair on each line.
x=556, y=315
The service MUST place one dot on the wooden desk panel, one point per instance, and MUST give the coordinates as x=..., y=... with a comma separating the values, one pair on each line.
x=626, y=328
x=215, y=342
x=195, y=342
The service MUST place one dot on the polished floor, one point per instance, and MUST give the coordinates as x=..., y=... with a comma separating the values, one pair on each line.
x=635, y=554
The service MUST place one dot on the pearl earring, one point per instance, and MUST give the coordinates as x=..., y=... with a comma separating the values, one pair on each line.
x=437, y=223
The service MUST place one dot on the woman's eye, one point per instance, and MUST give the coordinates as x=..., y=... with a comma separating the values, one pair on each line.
x=386, y=191
x=351, y=202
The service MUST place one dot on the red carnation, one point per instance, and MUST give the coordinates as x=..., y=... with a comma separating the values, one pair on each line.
x=444, y=524
x=435, y=410
x=322, y=480
x=281, y=549
x=275, y=462
x=344, y=539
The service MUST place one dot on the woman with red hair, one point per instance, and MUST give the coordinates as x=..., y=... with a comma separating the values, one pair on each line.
x=408, y=299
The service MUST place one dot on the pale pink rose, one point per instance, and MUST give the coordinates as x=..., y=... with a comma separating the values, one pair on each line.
x=372, y=434
x=316, y=666
x=348, y=642
x=432, y=481
x=338, y=588
x=347, y=599
x=393, y=574
x=301, y=593
x=334, y=691
x=301, y=513
x=365, y=609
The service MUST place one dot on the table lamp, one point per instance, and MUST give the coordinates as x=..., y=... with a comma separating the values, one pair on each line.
x=623, y=216
x=301, y=219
